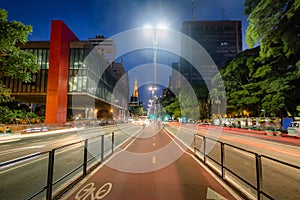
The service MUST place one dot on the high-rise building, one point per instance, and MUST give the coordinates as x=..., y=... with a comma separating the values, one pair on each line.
x=221, y=39
x=105, y=46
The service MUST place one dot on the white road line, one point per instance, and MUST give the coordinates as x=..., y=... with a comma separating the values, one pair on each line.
x=9, y=140
x=20, y=149
x=230, y=190
x=153, y=159
x=33, y=159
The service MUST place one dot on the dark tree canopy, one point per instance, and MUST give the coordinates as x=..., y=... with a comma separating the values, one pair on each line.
x=15, y=62
x=267, y=77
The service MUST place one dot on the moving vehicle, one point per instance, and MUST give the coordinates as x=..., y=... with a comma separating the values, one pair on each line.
x=294, y=128
x=36, y=129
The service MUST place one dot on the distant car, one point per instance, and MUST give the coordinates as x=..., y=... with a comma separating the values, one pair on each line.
x=203, y=123
x=44, y=129
x=33, y=130
x=294, y=128
x=37, y=129
x=228, y=124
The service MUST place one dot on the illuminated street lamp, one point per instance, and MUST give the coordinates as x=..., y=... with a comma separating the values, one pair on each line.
x=155, y=32
x=159, y=30
x=153, y=90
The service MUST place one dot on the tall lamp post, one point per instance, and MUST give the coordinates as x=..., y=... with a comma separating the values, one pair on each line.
x=154, y=32
x=153, y=101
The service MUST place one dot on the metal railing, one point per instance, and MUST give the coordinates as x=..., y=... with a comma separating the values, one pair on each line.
x=219, y=156
x=104, y=152
x=215, y=158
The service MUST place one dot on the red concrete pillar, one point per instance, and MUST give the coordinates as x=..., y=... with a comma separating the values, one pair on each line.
x=57, y=86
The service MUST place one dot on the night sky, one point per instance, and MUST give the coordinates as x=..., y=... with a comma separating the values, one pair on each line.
x=110, y=17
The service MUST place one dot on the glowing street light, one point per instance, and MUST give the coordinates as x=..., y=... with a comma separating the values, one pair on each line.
x=153, y=90
x=155, y=32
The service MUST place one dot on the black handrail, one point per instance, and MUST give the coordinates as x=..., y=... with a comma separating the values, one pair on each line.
x=281, y=162
x=20, y=159
x=258, y=163
x=51, y=157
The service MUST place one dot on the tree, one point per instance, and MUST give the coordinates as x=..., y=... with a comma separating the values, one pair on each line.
x=202, y=94
x=173, y=108
x=137, y=111
x=243, y=89
x=14, y=62
x=275, y=25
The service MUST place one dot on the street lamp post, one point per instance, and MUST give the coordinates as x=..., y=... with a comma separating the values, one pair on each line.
x=153, y=101
x=153, y=31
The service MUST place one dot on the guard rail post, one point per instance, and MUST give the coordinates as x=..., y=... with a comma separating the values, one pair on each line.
x=112, y=142
x=222, y=160
x=204, y=150
x=85, y=157
x=50, y=174
x=102, y=148
x=258, y=174
x=194, y=143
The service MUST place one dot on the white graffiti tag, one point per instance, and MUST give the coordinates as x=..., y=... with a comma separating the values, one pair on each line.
x=89, y=189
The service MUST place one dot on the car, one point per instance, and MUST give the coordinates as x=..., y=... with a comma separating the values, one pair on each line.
x=294, y=128
x=37, y=129
x=44, y=129
x=228, y=124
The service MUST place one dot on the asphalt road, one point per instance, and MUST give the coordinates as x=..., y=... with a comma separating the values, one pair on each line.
x=153, y=165
x=22, y=179
x=26, y=144
x=278, y=180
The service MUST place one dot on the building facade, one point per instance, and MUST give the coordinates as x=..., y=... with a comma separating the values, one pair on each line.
x=221, y=39
x=75, y=78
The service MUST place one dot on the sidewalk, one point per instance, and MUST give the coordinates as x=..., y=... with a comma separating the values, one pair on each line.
x=140, y=171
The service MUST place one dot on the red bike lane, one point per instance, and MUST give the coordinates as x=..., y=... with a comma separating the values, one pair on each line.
x=142, y=170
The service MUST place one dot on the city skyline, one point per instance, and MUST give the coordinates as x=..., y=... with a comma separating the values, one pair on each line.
x=111, y=17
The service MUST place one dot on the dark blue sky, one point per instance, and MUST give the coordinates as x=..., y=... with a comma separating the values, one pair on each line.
x=88, y=18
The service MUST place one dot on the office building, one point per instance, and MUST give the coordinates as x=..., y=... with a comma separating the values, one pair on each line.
x=76, y=78
x=221, y=39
